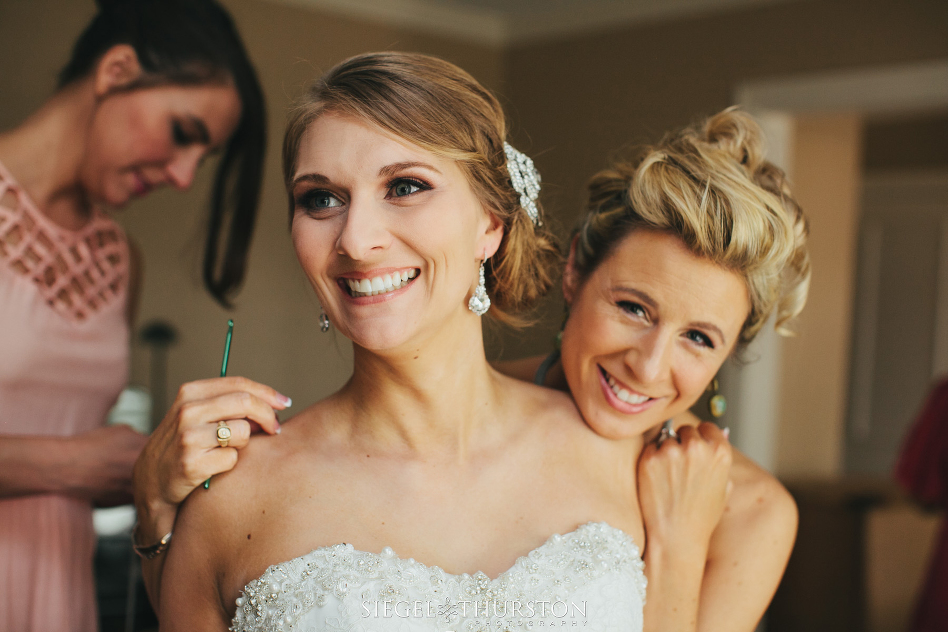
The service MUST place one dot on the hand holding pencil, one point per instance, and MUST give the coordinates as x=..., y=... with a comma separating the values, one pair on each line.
x=185, y=450
x=224, y=433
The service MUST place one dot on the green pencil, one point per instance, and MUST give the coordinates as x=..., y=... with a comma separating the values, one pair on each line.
x=230, y=334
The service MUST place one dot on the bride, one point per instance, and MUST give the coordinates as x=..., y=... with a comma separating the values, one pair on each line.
x=445, y=480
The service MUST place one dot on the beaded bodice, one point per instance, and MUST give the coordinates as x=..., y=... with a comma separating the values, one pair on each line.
x=589, y=579
x=79, y=272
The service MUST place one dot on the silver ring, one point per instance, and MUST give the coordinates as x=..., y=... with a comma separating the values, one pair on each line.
x=223, y=434
x=667, y=432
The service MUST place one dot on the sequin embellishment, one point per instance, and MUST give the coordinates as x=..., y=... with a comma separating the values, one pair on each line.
x=281, y=598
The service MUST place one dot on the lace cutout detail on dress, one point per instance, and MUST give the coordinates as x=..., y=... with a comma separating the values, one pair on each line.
x=285, y=593
x=78, y=273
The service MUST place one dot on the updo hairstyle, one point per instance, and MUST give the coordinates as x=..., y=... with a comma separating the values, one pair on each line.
x=437, y=106
x=193, y=42
x=710, y=186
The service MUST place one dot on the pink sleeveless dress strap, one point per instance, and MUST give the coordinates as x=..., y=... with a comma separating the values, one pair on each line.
x=63, y=362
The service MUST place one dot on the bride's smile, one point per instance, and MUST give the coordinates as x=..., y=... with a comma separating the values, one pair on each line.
x=389, y=234
x=377, y=282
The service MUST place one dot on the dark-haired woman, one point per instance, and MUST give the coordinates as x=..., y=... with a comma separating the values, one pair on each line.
x=152, y=87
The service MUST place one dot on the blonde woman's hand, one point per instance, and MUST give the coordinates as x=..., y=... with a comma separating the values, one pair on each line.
x=683, y=487
x=183, y=451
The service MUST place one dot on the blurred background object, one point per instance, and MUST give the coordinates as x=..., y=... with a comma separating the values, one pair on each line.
x=158, y=336
x=922, y=471
x=133, y=408
x=123, y=604
x=854, y=97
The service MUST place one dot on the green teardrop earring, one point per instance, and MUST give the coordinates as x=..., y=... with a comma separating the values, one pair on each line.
x=717, y=405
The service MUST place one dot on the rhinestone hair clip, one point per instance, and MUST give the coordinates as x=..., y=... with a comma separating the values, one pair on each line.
x=525, y=180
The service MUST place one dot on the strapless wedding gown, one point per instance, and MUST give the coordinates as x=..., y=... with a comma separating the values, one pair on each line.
x=591, y=579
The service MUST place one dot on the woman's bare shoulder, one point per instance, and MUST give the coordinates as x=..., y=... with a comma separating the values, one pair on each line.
x=230, y=497
x=550, y=417
x=206, y=538
x=749, y=549
x=211, y=518
x=523, y=369
x=759, y=501
x=759, y=525
x=538, y=403
x=212, y=543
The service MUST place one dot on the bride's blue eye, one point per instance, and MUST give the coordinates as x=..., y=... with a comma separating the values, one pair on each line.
x=632, y=308
x=700, y=338
x=405, y=187
x=317, y=201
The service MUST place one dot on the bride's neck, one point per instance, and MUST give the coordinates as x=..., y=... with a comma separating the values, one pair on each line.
x=438, y=396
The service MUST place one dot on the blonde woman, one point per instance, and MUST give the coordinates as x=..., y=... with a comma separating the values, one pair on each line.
x=647, y=283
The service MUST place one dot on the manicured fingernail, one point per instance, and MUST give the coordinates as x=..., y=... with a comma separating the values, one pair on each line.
x=283, y=399
x=278, y=430
x=727, y=433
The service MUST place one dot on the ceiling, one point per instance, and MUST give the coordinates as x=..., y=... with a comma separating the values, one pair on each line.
x=505, y=22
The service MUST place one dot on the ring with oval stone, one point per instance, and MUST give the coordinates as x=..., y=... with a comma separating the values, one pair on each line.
x=223, y=434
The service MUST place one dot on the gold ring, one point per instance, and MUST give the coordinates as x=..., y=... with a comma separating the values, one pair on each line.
x=223, y=434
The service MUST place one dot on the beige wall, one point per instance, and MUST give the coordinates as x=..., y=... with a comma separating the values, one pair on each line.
x=580, y=100
x=35, y=39
x=815, y=367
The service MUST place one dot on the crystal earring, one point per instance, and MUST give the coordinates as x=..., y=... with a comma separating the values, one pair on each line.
x=480, y=302
x=323, y=322
x=717, y=405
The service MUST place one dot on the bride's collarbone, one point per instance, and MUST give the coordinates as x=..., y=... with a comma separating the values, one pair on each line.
x=381, y=504
x=479, y=515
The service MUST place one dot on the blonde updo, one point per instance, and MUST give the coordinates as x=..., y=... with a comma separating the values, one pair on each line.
x=710, y=186
x=437, y=106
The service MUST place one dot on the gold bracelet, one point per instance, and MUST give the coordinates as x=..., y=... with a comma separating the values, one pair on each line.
x=153, y=550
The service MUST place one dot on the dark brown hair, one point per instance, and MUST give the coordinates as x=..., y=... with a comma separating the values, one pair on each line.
x=194, y=42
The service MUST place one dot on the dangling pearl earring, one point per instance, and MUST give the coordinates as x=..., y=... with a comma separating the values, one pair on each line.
x=716, y=404
x=480, y=302
x=323, y=322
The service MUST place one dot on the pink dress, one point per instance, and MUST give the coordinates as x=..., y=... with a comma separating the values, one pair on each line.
x=63, y=362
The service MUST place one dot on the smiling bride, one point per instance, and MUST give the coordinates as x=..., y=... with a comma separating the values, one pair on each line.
x=430, y=492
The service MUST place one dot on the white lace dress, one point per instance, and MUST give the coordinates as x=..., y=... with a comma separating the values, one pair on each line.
x=590, y=579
